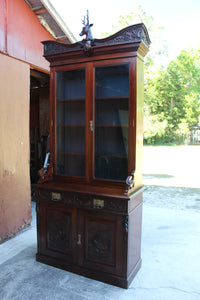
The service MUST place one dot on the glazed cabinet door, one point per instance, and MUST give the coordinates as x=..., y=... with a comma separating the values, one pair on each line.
x=71, y=145
x=57, y=226
x=102, y=242
x=113, y=120
x=94, y=121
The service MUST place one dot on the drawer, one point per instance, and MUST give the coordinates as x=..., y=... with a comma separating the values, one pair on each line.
x=84, y=201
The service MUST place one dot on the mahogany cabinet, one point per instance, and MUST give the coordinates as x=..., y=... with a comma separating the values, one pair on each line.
x=89, y=211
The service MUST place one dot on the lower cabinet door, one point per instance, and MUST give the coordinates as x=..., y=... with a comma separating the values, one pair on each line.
x=102, y=241
x=58, y=225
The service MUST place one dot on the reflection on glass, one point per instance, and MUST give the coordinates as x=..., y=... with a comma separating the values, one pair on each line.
x=111, y=122
x=70, y=116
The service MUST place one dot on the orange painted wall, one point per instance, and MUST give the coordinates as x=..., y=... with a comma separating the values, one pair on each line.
x=20, y=48
x=24, y=33
x=15, y=202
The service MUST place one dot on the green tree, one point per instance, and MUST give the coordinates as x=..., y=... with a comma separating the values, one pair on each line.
x=188, y=63
x=158, y=45
x=172, y=94
x=158, y=48
x=175, y=95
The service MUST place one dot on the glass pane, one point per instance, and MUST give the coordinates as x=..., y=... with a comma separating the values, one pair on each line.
x=70, y=121
x=70, y=164
x=112, y=81
x=71, y=112
x=111, y=122
x=71, y=84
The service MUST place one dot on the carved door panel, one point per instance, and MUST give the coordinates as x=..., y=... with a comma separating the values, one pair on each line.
x=58, y=229
x=102, y=242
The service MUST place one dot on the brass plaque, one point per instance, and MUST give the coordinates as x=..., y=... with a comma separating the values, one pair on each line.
x=97, y=203
x=56, y=196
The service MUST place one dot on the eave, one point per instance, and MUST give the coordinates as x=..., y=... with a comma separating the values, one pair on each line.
x=51, y=20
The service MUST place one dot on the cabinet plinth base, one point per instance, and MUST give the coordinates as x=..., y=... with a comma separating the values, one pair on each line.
x=121, y=282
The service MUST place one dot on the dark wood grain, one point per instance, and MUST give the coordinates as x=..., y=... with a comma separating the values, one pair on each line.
x=90, y=223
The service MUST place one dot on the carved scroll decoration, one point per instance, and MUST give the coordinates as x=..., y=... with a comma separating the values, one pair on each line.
x=129, y=182
x=134, y=33
x=125, y=228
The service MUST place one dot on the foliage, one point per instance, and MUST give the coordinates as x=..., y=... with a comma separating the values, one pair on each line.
x=153, y=128
x=158, y=46
x=172, y=94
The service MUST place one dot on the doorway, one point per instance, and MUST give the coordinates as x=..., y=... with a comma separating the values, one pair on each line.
x=39, y=121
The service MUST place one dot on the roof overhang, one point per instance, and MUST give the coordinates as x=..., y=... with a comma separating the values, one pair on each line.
x=51, y=20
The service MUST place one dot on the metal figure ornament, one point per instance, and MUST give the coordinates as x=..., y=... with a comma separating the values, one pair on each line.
x=88, y=42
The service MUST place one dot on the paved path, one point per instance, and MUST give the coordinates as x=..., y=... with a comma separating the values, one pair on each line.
x=170, y=268
x=175, y=198
x=170, y=243
x=172, y=166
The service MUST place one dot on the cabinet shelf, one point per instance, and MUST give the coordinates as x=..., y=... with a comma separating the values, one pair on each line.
x=112, y=98
x=111, y=126
x=70, y=125
x=71, y=153
x=110, y=155
x=117, y=126
x=71, y=99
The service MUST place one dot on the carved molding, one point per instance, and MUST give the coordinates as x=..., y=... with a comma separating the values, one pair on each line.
x=133, y=34
x=117, y=205
x=52, y=47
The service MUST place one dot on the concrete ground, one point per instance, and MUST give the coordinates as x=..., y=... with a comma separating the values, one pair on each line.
x=170, y=268
x=170, y=242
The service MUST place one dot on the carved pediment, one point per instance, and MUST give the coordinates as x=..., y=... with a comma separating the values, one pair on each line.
x=133, y=34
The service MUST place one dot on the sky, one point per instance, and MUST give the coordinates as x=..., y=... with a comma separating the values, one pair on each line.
x=180, y=18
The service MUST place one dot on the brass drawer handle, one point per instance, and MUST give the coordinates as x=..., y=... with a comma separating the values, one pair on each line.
x=56, y=197
x=98, y=204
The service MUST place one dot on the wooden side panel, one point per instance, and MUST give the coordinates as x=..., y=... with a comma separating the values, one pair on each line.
x=134, y=239
x=139, y=123
x=15, y=202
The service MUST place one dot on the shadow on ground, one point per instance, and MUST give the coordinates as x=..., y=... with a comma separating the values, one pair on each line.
x=152, y=176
